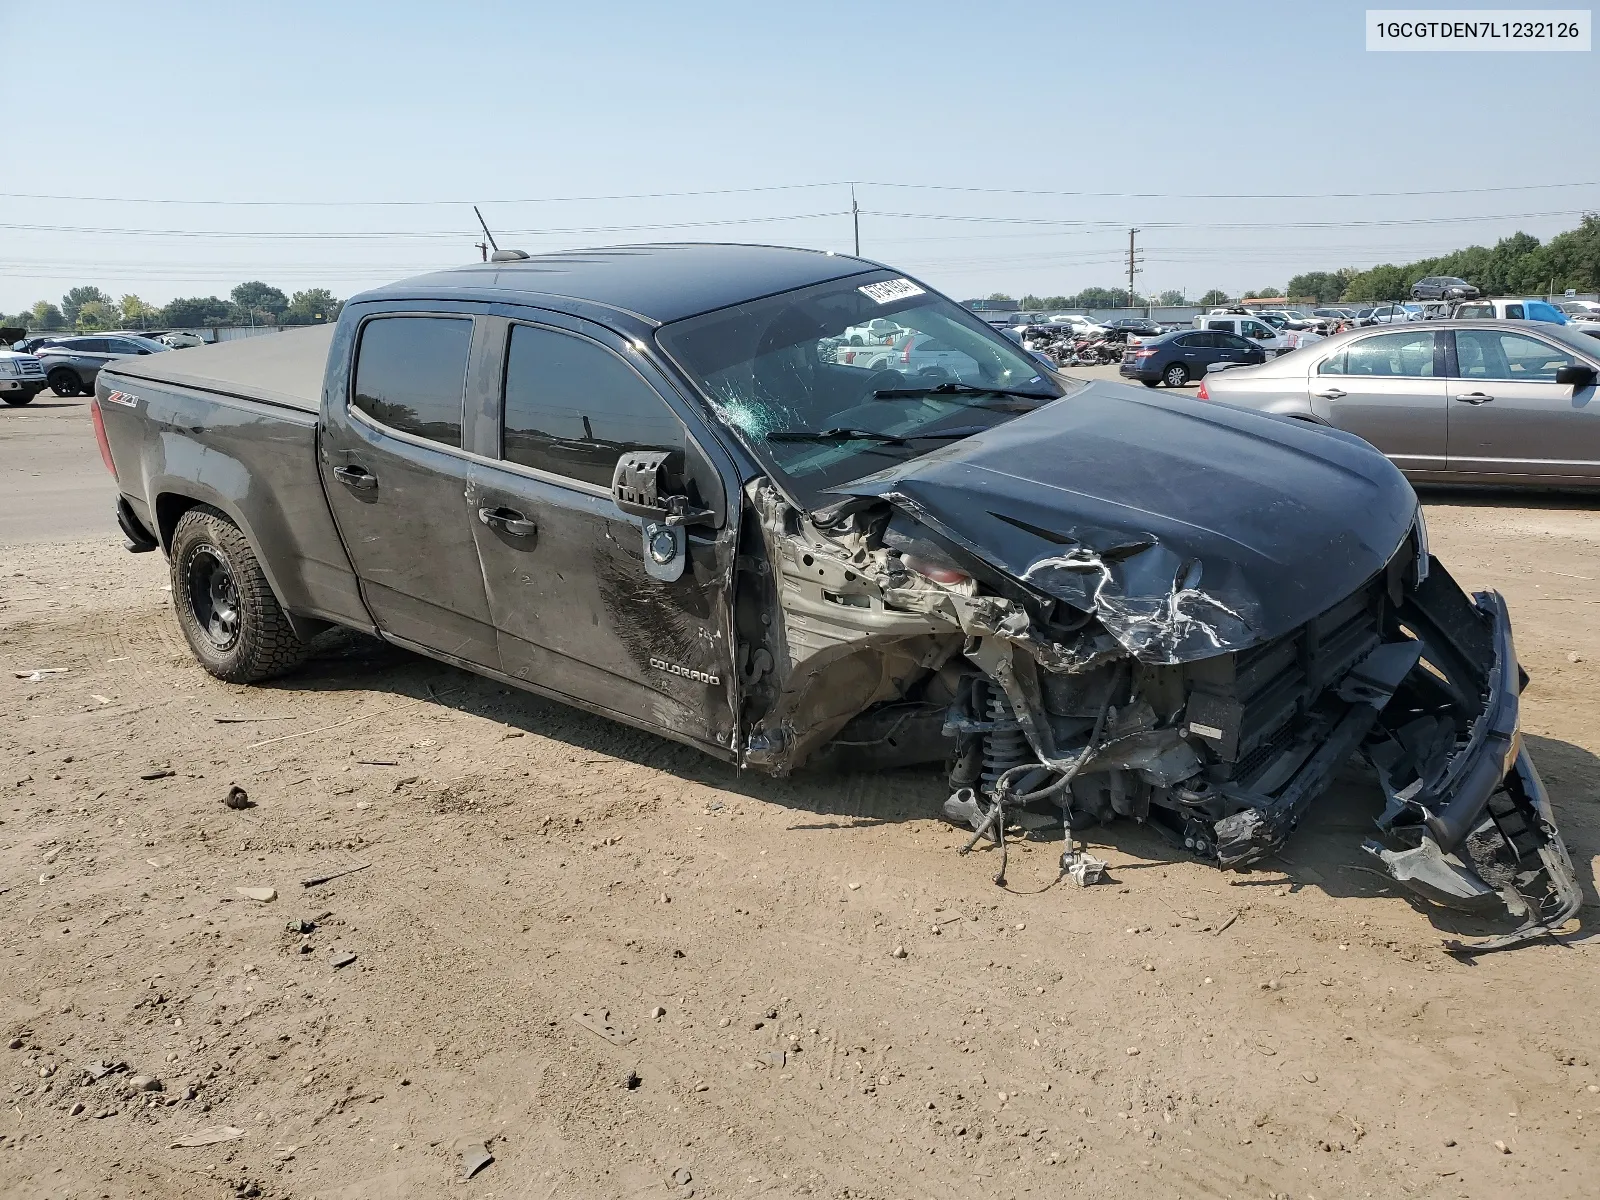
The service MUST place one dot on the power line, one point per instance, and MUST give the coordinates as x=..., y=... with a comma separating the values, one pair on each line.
x=789, y=187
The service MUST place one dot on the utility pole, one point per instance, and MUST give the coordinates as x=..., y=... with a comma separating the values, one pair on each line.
x=855, y=218
x=1133, y=262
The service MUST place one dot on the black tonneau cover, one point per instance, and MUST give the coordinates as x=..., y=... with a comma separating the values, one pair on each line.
x=277, y=368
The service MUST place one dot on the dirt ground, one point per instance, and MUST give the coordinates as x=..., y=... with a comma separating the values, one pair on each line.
x=1295, y=1031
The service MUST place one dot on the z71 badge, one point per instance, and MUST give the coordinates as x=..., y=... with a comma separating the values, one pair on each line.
x=126, y=399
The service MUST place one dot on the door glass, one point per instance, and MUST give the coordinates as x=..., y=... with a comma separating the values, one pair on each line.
x=1494, y=354
x=410, y=374
x=1513, y=312
x=92, y=346
x=573, y=408
x=1407, y=354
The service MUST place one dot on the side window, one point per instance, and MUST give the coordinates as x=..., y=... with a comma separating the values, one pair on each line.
x=410, y=373
x=121, y=346
x=1334, y=365
x=1474, y=310
x=1225, y=326
x=573, y=408
x=1192, y=341
x=1513, y=312
x=1393, y=354
x=1494, y=354
x=1257, y=330
x=92, y=346
x=1232, y=342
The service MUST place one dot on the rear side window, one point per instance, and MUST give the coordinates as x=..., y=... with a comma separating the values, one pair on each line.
x=410, y=374
x=1513, y=312
x=1408, y=354
x=573, y=407
x=1474, y=310
x=1194, y=341
x=1225, y=326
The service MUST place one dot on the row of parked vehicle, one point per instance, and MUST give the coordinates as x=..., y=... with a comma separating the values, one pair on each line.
x=68, y=363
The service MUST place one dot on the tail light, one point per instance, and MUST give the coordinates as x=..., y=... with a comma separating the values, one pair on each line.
x=1143, y=353
x=100, y=436
x=905, y=352
x=849, y=357
x=1202, y=394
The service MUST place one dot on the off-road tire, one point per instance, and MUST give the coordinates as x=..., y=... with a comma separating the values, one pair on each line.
x=208, y=548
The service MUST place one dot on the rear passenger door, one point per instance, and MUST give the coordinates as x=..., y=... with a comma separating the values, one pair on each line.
x=1509, y=417
x=395, y=474
x=577, y=609
x=1388, y=389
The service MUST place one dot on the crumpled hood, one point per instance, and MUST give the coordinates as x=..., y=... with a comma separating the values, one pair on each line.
x=1188, y=528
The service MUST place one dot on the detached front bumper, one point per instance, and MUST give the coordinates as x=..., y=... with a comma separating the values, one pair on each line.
x=1478, y=828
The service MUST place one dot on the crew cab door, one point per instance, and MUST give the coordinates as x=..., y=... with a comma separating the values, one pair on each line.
x=1508, y=415
x=395, y=475
x=578, y=607
x=1389, y=389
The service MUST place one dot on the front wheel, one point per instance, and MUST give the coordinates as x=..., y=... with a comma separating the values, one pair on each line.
x=1175, y=375
x=65, y=382
x=18, y=399
x=1150, y=383
x=226, y=609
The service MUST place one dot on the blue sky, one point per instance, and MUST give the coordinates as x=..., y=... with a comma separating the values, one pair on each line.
x=506, y=104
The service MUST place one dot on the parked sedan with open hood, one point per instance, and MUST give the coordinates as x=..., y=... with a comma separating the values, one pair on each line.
x=638, y=480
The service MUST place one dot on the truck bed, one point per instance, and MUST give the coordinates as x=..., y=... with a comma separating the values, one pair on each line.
x=234, y=427
x=284, y=369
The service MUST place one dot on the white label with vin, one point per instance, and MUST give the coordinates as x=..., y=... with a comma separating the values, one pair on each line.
x=890, y=290
x=1210, y=731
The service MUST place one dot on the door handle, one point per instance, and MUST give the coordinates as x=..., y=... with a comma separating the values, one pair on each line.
x=1331, y=394
x=509, y=520
x=1475, y=398
x=359, y=478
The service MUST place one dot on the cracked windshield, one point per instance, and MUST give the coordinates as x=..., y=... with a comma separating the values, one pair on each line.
x=835, y=381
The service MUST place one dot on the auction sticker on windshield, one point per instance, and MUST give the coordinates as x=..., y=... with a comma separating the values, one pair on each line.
x=890, y=290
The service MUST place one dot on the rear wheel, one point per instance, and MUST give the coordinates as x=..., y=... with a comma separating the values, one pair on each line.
x=1175, y=376
x=226, y=609
x=64, y=382
x=1150, y=383
x=17, y=399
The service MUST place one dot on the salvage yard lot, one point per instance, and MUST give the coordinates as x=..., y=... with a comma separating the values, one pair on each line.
x=1176, y=1032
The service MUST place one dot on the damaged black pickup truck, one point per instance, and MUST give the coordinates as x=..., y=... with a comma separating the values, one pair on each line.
x=664, y=484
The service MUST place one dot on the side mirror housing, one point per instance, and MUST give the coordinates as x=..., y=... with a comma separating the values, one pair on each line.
x=1575, y=375
x=642, y=485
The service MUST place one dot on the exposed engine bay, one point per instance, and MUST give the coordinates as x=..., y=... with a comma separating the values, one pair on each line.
x=1105, y=679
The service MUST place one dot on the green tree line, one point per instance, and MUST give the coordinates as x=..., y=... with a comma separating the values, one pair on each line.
x=251, y=303
x=1515, y=265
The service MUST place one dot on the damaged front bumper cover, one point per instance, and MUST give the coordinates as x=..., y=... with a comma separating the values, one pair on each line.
x=1488, y=814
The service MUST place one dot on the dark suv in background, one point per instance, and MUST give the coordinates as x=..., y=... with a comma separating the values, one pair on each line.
x=1186, y=354
x=71, y=363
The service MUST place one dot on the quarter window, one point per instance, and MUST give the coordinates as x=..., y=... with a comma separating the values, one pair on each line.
x=1407, y=355
x=573, y=408
x=410, y=374
x=1493, y=354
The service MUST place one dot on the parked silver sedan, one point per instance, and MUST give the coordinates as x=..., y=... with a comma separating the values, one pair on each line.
x=1511, y=402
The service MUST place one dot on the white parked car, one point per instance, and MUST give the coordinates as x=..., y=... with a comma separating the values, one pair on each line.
x=1273, y=341
x=925, y=355
x=1395, y=314
x=179, y=340
x=878, y=332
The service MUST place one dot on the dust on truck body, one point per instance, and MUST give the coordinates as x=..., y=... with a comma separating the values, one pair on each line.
x=638, y=481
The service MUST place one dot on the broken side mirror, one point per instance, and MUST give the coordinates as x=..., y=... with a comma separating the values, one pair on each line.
x=1575, y=375
x=646, y=484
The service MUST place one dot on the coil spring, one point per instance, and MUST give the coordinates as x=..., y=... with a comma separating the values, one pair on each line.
x=1004, y=749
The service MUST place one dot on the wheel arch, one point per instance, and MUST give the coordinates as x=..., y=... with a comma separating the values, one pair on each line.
x=171, y=505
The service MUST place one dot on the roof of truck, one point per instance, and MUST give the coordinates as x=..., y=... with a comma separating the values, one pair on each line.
x=658, y=283
x=281, y=368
